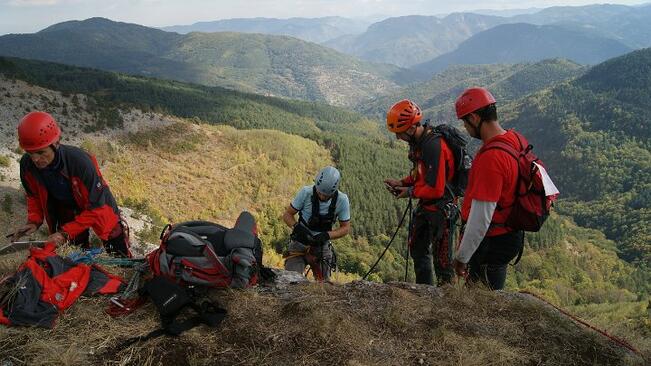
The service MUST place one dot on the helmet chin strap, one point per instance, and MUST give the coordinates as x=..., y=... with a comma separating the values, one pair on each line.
x=478, y=129
x=412, y=137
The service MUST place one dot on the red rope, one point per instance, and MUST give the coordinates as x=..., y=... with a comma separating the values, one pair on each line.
x=616, y=340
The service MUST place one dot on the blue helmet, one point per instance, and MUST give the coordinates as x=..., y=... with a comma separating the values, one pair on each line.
x=327, y=181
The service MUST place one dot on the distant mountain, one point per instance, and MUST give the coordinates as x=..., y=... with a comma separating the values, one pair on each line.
x=628, y=24
x=409, y=40
x=515, y=43
x=506, y=12
x=507, y=82
x=98, y=42
x=308, y=29
x=583, y=14
x=272, y=65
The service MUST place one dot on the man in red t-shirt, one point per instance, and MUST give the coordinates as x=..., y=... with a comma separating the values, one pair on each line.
x=487, y=245
x=430, y=241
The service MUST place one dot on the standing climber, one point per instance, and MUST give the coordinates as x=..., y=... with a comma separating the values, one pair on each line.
x=488, y=245
x=433, y=162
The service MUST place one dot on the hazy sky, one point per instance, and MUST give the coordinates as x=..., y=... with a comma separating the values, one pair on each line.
x=27, y=16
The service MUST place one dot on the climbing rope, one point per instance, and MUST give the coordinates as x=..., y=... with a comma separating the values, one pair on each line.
x=616, y=340
x=130, y=299
x=409, y=206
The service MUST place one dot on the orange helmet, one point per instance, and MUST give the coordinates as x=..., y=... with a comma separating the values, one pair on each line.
x=37, y=130
x=403, y=115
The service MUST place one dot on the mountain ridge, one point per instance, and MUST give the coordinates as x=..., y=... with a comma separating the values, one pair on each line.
x=522, y=42
x=272, y=65
x=315, y=30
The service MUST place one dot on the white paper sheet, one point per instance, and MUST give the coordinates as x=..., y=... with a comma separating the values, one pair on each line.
x=548, y=185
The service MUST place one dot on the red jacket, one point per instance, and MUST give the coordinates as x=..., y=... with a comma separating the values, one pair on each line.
x=433, y=168
x=51, y=284
x=99, y=210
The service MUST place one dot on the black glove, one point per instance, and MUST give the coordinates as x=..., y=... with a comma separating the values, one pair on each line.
x=301, y=233
x=321, y=237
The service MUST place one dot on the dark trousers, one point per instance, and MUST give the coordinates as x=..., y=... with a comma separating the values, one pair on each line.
x=431, y=246
x=117, y=243
x=490, y=262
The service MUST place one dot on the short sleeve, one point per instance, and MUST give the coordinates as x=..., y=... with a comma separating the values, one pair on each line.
x=343, y=207
x=298, y=203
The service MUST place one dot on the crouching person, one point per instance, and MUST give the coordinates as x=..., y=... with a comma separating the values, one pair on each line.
x=318, y=206
x=65, y=188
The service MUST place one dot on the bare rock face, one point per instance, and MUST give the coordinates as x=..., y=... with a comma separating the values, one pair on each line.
x=283, y=280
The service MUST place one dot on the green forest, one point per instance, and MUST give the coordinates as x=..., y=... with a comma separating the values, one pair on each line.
x=594, y=133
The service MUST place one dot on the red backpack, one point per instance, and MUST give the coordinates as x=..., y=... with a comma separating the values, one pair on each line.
x=531, y=206
x=208, y=254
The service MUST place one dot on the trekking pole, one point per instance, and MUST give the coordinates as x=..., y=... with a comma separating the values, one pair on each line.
x=390, y=241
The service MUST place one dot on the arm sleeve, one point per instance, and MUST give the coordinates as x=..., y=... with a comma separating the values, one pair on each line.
x=34, y=210
x=343, y=208
x=99, y=212
x=407, y=181
x=299, y=200
x=434, y=163
x=479, y=220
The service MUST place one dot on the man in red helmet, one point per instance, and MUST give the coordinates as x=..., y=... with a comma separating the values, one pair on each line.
x=433, y=166
x=65, y=188
x=487, y=245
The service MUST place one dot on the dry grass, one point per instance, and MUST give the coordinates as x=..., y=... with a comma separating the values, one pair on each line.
x=359, y=323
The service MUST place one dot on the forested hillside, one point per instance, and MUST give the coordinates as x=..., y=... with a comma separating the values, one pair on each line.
x=265, y=64
x=356, y=144
x=594, y=133
x=507, y=82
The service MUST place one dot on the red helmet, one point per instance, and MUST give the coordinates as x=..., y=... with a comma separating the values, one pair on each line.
x=403, y=115
x=37, y=130
x=471, y=100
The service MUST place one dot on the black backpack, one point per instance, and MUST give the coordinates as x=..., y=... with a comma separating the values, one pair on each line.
x=457, y=142
x=171, y=300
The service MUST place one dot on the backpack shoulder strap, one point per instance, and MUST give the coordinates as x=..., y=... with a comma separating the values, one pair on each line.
x=333, y=205
x=315, y=202
x=501, y=145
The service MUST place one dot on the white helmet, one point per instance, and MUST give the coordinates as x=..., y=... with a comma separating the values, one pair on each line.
x=327, y=181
